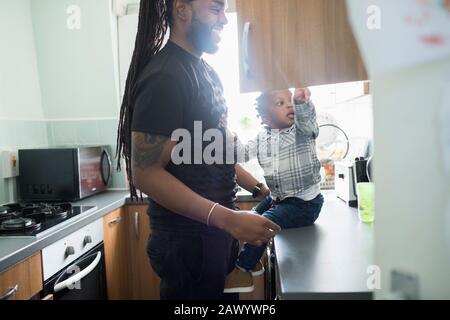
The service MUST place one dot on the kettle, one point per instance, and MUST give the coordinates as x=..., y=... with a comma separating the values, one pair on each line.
x=369, y=168
x=360, y=170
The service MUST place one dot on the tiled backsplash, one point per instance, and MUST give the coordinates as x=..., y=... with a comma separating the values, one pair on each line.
x=85, y=133
x=15, y=134
x=23, y=134
x=20, y=134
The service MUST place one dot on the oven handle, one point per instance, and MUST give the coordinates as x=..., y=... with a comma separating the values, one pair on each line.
x=79, y=276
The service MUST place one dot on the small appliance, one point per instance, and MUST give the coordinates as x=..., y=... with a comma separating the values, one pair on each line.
x=63, y=174
x=345, y=183
x=348, y=173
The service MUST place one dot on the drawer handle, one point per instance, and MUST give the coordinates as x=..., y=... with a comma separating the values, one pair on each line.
x=136, y=225
x=10, y=293
x=115, y=220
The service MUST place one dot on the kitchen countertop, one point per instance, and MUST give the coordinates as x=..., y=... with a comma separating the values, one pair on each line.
x=15, y=250
x=328, y=260
x=325, y=261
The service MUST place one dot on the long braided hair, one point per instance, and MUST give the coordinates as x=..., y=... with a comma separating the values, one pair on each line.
x=155, y=17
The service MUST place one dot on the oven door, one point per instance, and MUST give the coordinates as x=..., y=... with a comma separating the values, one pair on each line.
x=83, y=279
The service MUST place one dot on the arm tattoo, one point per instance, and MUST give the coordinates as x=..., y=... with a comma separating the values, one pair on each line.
x=146, y=149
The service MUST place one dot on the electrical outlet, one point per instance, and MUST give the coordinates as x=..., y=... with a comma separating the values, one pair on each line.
x=9, y=163
x=405, y=285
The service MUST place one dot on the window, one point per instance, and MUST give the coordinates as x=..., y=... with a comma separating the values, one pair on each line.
x=242, y=115
x=345, y=105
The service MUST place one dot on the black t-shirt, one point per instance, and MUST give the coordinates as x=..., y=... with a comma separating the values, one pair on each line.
x=175, y=90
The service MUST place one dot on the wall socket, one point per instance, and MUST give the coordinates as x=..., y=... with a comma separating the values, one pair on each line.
x=405, y=285
x=9, y=164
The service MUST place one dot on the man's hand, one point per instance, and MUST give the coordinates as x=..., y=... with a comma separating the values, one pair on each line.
x=249, y=227
x=302, y=95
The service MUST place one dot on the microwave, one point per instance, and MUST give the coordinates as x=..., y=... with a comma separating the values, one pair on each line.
x=63, y=174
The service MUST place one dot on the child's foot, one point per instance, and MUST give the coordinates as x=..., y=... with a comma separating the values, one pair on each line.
x=238, y=281
x=259, y=269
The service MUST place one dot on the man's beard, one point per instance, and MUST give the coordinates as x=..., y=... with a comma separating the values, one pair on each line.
x=201, y=37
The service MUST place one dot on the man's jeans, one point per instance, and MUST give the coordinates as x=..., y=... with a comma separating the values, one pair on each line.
x=289, y=213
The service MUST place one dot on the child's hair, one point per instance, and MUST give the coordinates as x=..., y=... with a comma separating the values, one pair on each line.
x=262, y=102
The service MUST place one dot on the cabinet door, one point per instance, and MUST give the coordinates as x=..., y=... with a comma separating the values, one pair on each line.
x=116, y=255
x=296, y=43
x=145, y=282
x=22, y=281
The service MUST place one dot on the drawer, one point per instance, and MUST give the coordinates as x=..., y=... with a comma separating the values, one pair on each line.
x=26, y=276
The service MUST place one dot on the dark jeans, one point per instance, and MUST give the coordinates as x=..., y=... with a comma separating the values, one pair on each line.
x=193, y=265
x=289, y=213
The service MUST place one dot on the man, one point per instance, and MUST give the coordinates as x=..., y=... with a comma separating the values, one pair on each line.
x=194, y=222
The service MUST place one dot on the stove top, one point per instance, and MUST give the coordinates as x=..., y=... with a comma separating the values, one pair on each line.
x=36, y=219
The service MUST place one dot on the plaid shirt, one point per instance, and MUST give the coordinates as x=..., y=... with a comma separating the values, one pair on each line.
x=288, y=157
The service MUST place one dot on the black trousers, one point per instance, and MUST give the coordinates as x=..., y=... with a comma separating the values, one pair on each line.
x=193, y=265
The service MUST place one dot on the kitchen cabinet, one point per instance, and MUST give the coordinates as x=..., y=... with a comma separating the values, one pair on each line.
x=117, y=256
x=144, y=281
x=296, y=43
x=129, y=275
x=22, y=281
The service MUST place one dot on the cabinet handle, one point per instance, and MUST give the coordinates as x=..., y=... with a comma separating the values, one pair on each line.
x=245, y=59
x=10, y=293
x=115, y=220
x=136, y=225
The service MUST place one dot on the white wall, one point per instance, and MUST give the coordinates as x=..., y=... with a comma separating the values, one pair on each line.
x=77, y=68
x=20, y=96
x=411, y=188
x=231, y=5
x=22, y=122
